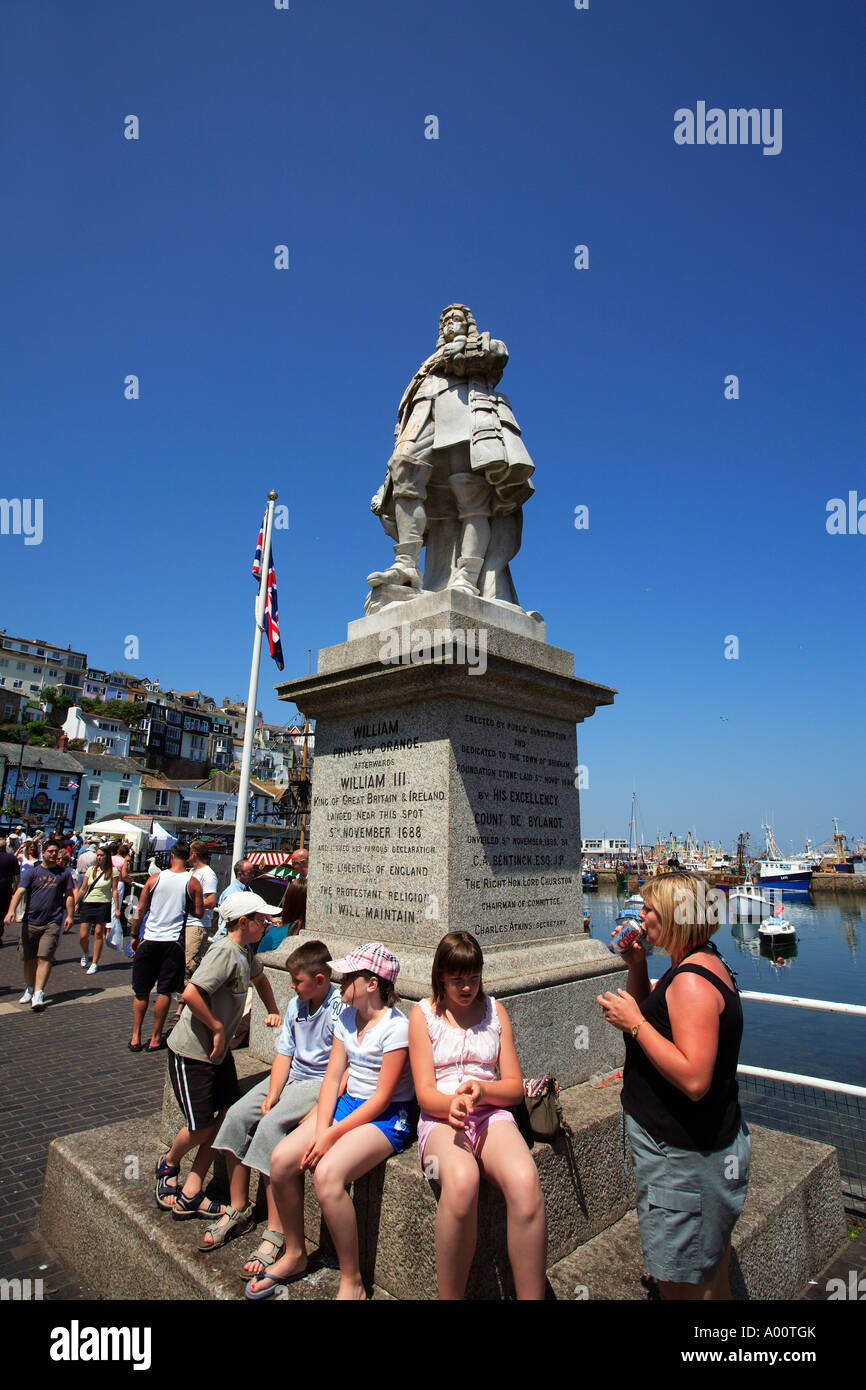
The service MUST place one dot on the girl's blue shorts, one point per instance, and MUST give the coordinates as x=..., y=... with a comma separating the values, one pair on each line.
x=397, y=1121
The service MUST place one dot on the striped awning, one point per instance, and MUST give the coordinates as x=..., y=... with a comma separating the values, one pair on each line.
x=269, y=860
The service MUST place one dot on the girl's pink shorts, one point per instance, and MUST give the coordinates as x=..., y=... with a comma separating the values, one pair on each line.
x=476, y=1125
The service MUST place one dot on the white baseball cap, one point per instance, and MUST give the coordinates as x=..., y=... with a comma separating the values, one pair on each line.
x=238, y=905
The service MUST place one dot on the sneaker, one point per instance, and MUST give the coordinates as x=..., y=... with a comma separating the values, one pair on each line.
x=26, y=996
x=83, y=962
x=93, y=969
x=37, y=1003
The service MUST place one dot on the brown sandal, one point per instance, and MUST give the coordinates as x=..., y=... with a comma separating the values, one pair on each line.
x=274, y=1239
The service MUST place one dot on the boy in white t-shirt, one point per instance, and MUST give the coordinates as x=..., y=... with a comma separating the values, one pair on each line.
x=257, y=1122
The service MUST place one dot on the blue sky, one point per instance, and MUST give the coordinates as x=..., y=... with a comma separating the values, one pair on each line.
x=306, y=127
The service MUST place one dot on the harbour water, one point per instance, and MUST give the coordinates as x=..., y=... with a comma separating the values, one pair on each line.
x=827, y=962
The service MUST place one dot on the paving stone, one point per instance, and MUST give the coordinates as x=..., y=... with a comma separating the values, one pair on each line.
x=61, y=1071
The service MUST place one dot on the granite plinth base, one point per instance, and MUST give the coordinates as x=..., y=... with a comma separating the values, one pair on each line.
x=99, y=1216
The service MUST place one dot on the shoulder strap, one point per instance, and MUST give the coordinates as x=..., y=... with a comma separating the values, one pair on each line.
x=708, y=975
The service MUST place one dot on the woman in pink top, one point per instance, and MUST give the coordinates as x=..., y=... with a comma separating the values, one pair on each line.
x=466, y=1075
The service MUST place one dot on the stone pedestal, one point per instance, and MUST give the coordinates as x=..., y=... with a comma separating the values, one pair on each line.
x=445, y=798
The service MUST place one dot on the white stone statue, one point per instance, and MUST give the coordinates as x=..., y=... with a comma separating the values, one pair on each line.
x=459, y=474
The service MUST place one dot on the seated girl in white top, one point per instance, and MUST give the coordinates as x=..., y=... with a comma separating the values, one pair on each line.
x=466, y=1072
x=348, y=1134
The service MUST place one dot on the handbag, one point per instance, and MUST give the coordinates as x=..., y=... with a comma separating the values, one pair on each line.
x=543, y=1109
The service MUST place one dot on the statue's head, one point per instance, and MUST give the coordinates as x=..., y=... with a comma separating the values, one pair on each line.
x=456, y=321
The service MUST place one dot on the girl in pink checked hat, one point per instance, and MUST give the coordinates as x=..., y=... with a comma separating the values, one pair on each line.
x=350, y=1133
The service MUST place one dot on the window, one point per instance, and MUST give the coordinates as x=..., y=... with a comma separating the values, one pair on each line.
x=89, y=816
x=162, y=799
x=93, y=794
x=40, y=651
x=43, y=781
x=202, y=810
x=123, y=798
x=184, y=808
x=127, y=776
x=36, y=670
x=16, y=685
x=20, y=666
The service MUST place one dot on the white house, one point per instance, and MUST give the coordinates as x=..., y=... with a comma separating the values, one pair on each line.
x=97, y=728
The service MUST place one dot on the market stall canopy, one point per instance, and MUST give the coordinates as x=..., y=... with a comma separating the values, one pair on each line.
x=118, y=829
x=162, y=838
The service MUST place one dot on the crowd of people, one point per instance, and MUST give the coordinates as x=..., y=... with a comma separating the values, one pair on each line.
x=355, y=1081
x=50, y=881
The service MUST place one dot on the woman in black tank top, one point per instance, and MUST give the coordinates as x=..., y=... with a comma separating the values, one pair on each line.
x=689, y=1144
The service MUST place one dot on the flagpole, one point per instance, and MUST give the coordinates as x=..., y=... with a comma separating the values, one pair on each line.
x=249, y=728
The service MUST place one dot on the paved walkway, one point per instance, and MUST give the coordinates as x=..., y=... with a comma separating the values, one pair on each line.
x=60, y=1071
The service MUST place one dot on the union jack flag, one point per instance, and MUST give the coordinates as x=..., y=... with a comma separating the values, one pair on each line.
x=272, y=618
x=257, y=562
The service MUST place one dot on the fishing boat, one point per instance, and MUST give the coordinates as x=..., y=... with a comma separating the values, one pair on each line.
x=589, y=880
x=838, y=860
x=774, y=869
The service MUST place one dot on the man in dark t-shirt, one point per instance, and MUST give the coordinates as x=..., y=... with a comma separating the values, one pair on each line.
x=50, y=893
x=9, y=871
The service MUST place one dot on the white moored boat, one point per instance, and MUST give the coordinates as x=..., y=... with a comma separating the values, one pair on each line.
x=748, y=901
x=773, y=927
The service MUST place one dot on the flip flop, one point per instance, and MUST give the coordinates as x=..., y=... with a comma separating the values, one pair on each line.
x=163, y=1042
x=275, y=1280
x=135, y=1047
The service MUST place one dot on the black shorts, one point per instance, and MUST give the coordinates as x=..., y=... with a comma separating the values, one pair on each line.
x=159, y=963
x=201, y=1089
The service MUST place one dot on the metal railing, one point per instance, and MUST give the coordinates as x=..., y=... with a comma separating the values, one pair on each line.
x=833, y=1112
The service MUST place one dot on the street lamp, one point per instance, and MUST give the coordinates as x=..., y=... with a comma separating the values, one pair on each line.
x=25, y=739
x=37, y=766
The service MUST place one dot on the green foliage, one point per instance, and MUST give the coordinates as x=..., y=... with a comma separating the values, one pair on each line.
x=124, y=711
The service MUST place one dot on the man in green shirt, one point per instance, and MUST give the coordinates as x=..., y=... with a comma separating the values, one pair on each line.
x=201, y=1067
